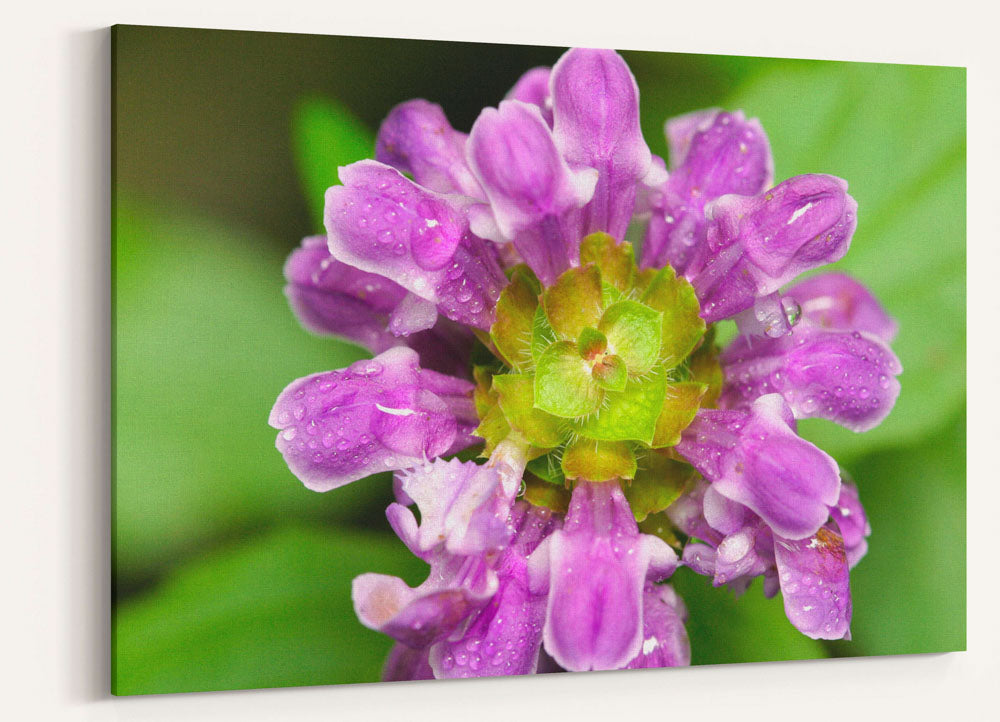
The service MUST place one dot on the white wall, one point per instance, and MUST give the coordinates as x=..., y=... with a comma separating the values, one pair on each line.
x=55, y=380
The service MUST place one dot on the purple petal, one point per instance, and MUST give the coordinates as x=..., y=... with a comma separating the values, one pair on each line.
x=406, y=664
x=404, y=523
x=815, y=584
x=413, y=314
x=446, y=348
x=837, y=302
x=596, y=125
x=504, y=637
x=376, y=415
x=846, y=377
x=722, y=513
x=756, y=245
x=595, y=570
x=755, y=458
x=728, y=154
x=736, y=557
x=418, y=617
x=664, y=639
x=455, y=393
x=529, y=185
x=381, y=222
x=462, y=505
x=700, y=558
x=330, y=297
x=680, y=131
x=713, y=154
x=852, y=522
x=687, y=514
x=417, y=138
x=533, y=88
x=768, y=317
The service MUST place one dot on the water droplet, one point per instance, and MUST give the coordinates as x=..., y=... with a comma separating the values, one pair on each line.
x=792, y=309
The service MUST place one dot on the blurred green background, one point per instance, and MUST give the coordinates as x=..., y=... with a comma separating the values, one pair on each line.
x=228, y=573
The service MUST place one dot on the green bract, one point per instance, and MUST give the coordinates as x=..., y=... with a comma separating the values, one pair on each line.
x=602, y=367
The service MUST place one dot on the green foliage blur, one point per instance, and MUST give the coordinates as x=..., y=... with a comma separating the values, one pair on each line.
x=228, y=573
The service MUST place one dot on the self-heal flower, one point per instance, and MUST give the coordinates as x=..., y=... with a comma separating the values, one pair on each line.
x=616, y=441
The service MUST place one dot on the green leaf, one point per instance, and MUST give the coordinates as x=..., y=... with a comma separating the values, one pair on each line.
x=515, y=314
x=573, y=302
x=616, y=261
x=542, y=335
x=542, y=493
x=658, y=482
x=631, y=414
x=563, y=384
x=204, y=341
x=896, y=133
x=682, y=326
x=548, y=468
x=598, y=460
x=633, y=331
x=518, y=403
x=610, y=294
x=680, y=403
x=326, y=136
x=268, y=611
x=704, y=367
x=493, y=428
x=483, y=394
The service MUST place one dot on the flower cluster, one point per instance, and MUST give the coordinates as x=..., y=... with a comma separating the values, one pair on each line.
x=610, y=440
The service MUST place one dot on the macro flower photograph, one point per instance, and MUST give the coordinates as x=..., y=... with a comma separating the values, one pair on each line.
x=439, y=360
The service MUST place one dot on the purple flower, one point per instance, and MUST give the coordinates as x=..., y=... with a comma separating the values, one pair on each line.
x=599, y=403
x=595, y=572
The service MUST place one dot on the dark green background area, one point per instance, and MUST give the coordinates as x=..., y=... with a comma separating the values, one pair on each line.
x=228, y=573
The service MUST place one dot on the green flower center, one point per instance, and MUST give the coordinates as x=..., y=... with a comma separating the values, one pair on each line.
x=600, y=374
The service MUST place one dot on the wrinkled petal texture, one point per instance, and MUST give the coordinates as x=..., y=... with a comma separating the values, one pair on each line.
x=381, y=222
x=376, y=415
x=713, y=153
x=596, y=569
x=596, y=125
x=755, y=458
x=417, y=138
x=664, y=639
x=814, y=581
x=848, y=377
x=505, y=635
x=757, y=244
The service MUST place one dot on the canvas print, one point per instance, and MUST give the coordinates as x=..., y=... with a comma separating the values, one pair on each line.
x=440, y=360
